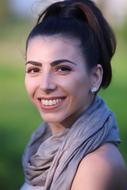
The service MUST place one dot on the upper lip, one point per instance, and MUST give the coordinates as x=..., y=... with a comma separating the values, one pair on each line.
x=51, y=98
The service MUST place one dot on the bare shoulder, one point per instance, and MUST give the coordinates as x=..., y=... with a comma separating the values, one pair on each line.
x=103, y=169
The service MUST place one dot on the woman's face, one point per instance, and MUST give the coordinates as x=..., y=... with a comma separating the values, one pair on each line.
x=57, y=79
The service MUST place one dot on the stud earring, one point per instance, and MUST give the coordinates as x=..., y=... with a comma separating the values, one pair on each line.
x=93, y=90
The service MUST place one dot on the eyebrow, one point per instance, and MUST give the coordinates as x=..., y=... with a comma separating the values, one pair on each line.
x=34, y=63
x=54, y=63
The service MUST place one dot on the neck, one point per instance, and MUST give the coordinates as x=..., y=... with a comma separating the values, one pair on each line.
x=56, y=127
x=67, y=123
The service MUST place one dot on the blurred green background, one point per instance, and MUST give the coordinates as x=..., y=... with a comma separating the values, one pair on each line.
x=18, y=118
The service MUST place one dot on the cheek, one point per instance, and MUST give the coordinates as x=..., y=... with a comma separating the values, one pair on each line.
x=79, y=86
x=30, y=85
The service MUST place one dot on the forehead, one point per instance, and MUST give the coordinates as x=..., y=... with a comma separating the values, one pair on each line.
x=53, y=47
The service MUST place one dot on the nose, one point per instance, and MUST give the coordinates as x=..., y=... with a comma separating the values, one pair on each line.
x=47, y=83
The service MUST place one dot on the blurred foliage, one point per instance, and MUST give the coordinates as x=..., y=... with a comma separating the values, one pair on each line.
x=18, y=118
x=122, y=33
x=4, y=9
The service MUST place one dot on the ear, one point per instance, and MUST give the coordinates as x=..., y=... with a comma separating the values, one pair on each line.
x=96, y=78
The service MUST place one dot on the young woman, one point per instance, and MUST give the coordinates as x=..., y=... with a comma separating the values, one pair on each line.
x=68, y=60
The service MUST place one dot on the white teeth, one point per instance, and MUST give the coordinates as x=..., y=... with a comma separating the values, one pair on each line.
x=50, y=102
x=54, y=101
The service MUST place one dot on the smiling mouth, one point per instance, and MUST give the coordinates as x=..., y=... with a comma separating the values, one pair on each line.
x=51, y=103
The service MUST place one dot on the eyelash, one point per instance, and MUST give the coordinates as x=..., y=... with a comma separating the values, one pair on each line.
x=64, y=69
x=58, y=69
x=32, y=70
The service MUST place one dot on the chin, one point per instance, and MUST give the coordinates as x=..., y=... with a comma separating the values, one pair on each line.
x=52, y=118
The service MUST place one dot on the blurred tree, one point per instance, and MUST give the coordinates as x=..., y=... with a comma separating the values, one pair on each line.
x=4, y=9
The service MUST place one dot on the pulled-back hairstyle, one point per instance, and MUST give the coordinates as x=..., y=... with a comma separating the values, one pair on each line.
x=82, y=20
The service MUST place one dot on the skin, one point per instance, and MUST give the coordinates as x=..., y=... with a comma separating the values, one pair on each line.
x=48, y=78
x=103, y=169
x=69, y=78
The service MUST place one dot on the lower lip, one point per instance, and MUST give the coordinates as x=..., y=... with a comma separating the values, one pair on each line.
x=52, y=107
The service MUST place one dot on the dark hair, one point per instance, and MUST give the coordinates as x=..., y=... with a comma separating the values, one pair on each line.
x=80, y=19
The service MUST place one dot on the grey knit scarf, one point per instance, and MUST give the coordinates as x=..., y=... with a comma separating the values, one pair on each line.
x=51, y=161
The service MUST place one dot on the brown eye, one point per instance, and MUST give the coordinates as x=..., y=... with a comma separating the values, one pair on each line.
x=63, y=69
x=32, y=70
